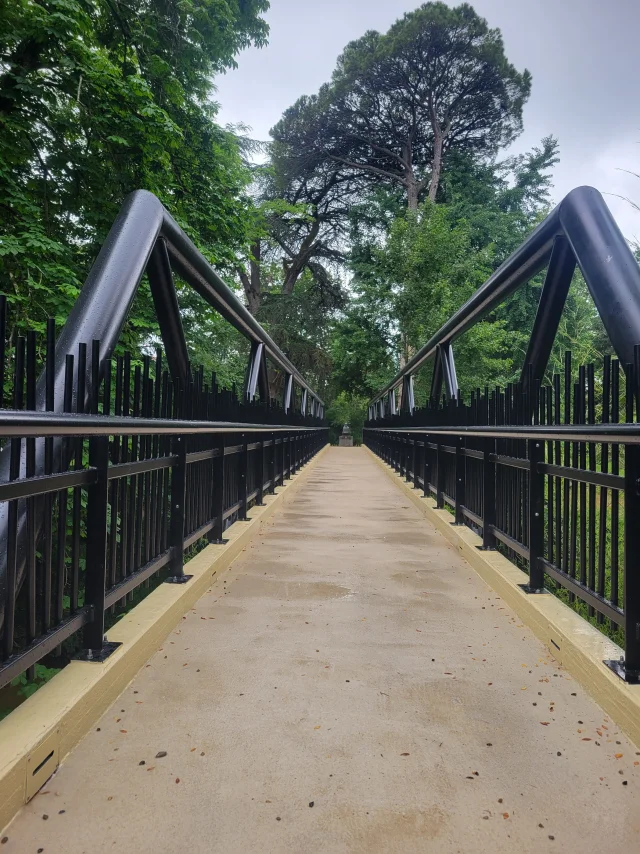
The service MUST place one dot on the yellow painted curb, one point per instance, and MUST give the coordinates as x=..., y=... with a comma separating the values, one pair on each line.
x=572, y=641
x=47, y=726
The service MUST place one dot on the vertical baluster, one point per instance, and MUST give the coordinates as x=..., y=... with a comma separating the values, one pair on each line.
x=47, y=545
x=125, y=513
x=548, y=419
x=574, y=491
x=30, y=503
x=63, y=500
x=604, y=467
x=591, y=530
x=582, y=456
x=3, y=345
x=12, y=520
x=557, y=416
x=535, y=505
x=615, y=494
x=155, y=452
x=632, y=533
x=76, y=513
x=147, y=501
x=137, y=497
x=567, y=462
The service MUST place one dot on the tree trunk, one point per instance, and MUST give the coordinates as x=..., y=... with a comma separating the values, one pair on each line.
x=410, y=181
x=436, y=166
x=294, y=266
x=252, y=284
x=412, y=193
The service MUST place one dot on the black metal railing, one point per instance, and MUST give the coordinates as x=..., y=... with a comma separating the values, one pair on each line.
x=547, y=473
x=114, y=468
x=129, y=488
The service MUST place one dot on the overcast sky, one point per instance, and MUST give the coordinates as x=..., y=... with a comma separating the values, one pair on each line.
x=584, y=56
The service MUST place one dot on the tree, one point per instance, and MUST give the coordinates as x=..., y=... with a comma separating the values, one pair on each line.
x=411, y=271
x=438, y=81
x=347, y=409
x=99, y=98
x=300, y=225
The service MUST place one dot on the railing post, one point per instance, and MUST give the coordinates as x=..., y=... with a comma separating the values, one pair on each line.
x=439, y=476
x=260, y=466
x=287, y=455
x=272, y=464
x=178, y=501
x=488, y=495
x=536, y=518
x=244, y=469
x=460, y=481
x=416, y=457
x=411, y=458
x=426, y=468
x=631, y=666
x=282, y=458
x=94, y=642
x=217, y=494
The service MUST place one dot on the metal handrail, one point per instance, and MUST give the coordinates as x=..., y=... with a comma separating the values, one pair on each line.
x=612, y=434
x=143, y=235
x=37, y=424
x=143, y=238
x=584, y=225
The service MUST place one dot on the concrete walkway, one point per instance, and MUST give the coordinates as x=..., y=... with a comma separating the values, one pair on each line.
x=352, y=687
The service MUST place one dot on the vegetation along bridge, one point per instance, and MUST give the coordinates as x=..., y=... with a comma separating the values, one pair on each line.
x=429, y=643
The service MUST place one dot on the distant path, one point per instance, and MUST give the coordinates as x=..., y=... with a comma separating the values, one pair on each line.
x=353, y=687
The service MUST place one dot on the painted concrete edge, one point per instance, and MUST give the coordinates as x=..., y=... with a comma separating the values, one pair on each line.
x=63, y=710
x=571, y=640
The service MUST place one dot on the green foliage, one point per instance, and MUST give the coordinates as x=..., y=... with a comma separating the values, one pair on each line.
x=348, y=409
x=299, y=324
x=413, y=270
x=431, y=270
x=99, y=98
x=361, y=351
x=21, y=688
x=397, y=103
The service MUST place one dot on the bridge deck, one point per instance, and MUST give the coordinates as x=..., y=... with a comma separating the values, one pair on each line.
x=352, y=687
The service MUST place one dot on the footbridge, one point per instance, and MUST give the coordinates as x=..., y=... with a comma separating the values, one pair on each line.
x=246, y=640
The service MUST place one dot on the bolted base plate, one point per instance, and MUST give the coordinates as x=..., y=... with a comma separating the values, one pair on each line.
x=178, y=579
x=221, y=542
x=97, y=654
x=631, y=677
x=529, y=589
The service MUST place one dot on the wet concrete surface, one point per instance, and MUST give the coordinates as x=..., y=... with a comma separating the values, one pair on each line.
x=353, y=686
